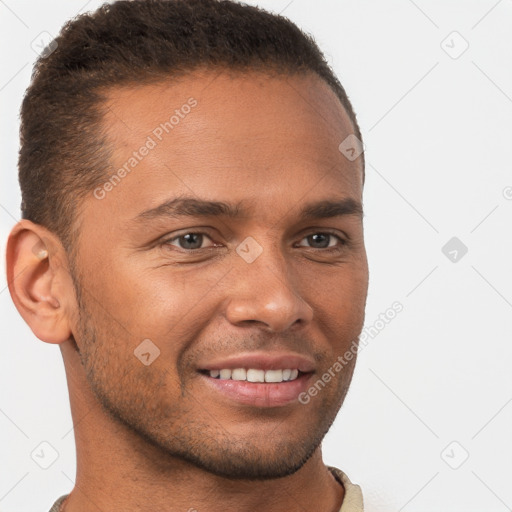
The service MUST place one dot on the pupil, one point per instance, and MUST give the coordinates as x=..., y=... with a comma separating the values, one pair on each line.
x=324, y=243
x=192, y=241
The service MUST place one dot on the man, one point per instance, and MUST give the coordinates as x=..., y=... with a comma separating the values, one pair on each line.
x=192, y=238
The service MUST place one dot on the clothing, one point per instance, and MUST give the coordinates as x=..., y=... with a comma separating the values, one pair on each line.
x=352, y=501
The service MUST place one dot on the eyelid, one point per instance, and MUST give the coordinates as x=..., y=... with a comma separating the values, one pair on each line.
x=344, y=240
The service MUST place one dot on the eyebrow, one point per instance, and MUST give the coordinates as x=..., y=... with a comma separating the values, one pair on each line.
x=192, y=207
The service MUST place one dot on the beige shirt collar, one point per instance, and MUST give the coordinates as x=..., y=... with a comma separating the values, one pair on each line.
x=353, y=499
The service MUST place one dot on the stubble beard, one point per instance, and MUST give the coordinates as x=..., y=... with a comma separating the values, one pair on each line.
x=194, y=440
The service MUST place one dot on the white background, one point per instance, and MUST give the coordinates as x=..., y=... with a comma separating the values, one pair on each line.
x=438, y=135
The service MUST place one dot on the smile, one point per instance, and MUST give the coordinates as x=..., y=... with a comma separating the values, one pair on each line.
x=255, y=374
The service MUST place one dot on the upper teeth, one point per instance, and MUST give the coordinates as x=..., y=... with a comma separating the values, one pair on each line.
x=255, y=375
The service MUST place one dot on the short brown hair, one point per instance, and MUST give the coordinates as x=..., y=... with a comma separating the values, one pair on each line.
x=64, y=155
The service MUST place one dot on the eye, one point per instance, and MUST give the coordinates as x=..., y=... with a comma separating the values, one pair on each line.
x=189, y=241
x=323, y=241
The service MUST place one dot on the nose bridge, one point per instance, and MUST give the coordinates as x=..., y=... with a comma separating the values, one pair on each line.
x=264, y=290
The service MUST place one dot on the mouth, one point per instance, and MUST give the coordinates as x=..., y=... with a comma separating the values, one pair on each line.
x=259, y=380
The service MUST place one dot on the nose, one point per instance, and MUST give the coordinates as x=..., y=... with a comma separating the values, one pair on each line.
x=266, y=293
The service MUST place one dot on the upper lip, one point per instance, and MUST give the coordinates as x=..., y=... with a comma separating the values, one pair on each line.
x=262, y=361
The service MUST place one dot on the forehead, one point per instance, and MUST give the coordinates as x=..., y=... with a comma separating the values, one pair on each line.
x=213, y=135
x=298, y=96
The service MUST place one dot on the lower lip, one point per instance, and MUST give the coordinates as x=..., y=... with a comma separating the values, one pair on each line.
x=260, y=394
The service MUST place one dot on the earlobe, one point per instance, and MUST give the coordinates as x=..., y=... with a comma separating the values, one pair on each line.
x=37, y=280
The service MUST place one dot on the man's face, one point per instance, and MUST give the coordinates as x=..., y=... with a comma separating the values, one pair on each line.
x=267, y=288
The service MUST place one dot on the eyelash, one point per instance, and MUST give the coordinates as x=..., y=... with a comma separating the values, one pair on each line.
x=343, y=242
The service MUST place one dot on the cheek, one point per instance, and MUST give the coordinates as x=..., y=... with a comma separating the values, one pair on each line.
x=156, y=300
x=167, y=306
x=339, y=304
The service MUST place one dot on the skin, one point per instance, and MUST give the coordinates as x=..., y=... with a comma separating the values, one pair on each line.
x=156, y=437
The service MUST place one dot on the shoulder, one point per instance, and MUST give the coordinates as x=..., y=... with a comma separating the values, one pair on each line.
x=353, y=500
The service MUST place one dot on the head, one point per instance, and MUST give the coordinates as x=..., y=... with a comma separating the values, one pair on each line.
x=185, y=202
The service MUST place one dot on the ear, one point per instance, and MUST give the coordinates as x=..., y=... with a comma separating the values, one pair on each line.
x=39, y=281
